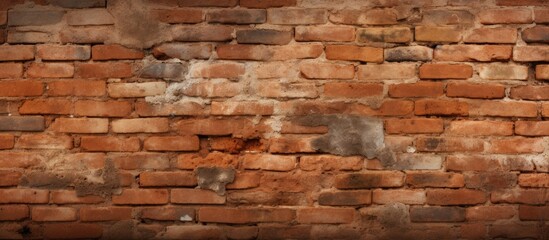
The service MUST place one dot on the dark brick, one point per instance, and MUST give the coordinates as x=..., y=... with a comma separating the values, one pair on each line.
x=164, y=70
x=264, y=36
x=346, y=198
x=207, y=3
x=238, y=16
x=36, y=18
x=78, y=3
x=267, y=3
x=16, y=123
x=437, y=214
x=538, y=34
x=490, y=180
x=370, y=180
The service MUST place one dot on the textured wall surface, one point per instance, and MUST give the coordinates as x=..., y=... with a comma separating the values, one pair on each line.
x=274, y=119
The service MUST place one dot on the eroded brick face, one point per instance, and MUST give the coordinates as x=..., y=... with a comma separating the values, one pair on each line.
x=274, y=119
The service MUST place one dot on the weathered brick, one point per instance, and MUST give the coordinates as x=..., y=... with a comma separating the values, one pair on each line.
x=531, y=53
x=115, y=52
x=141, y=197
x=386, y=71
x=267, y=3
x=168, y=213
x=381, y=16
x=7, y=141
x=9, y=178
x=389, y=35
x=20, y=159
x=242, y=108
x=194, y=232
x=109, y=144
x=95, y=34
x=471, y=90
x=183, y=51
x=76, y=88
x=165, y=179
x=492, y=35
x=18, y=123
x=124, y=90
x=78, y=4
x=534, y=180
x=29, y=196
x=104, y=70
x=411, y=53
x=27, y=37
x=98, y=214
x=53, y=214
x=213, y=33
x=432, y=144
x=181, y=15
x=489, y=213
x=11, y=70
x=95, y=16
x=412, y=197
x=269, y=162
x=532, y=128
x=275, y=89
x=466, y=53
x=330, y=163
x=284, y=232
x=14, y=212
x=218, y=70
x=514, y=230
x=325, y=215
x=480, y=128
x=537, y=34
x=503, y=109
x=533, y=213
x=505, y=16
x=369, y=180
x=46, y=106
x=291, y=145
x=171, y=143
x=80, y=125
x=516, y=145
x=164, y=70
x=297, y=16
x=418, y=89
x=445, y=71
x=21, y=88
x=263, y=36
x=34, y=17
x=437, y=214
x=524, y=196
x=354, y=53
x=50, y=70
x=434, y=179
x=541, y=15
x=352, y=90
x=414, y=125
x=195, y=196
x=208, y=3
x=448, y=17
x=455, y=197
x=73, y=230
x=62, y=52
x=499, y=71
x=530, y=92
x=446, y=34
x=244, y=215
x=237, y=16
x=345, y=198
x=441, y=107
x=272, y=53
x=521, y=3
x=327, y=34
x=111, y=108
x=137, y=125
x=43, y=141
x=153, y=161
x=542, y=72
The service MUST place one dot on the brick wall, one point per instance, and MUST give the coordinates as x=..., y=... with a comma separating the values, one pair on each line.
x=274, y=119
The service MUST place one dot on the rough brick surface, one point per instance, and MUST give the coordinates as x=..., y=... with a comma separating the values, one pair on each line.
x=274, y=119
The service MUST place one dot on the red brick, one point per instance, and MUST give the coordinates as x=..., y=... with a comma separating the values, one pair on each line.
x=92, y=108
x=469, y=53
x=123, y=90
x=237, y=16
x=524, y=196
x=541, y=15
x=50, y=70
x=208, y=3
x=211, y=126
x=156, y=161
x=9, y=179
x=244, y=215
x=492, y=35
x=445, y=71
x=434, y=179
x=455, y=197
x=414, y=125
x=168, y=213
x=53, y=214
x=533, y=213
x=46, y=106
x=272, y=53
x=73, y=87
x=542, y=72
x=325, y=215
x=480, y=128
x=532, y=128
x=441, y=107
x=505, y=16
x=330, y=163
x=109, y=144
x=195, y=196
x=448, y=17
x=164, y=179
x=387, y=35
x=326, y=34
x=267, y=3
x=437, y=214
x=188, y=143
x=183, y=51
x=264, y=36
x=210, y=89
x=16, y=52
x=444, y=34
x=140, y=125
x=521, y=2
x=297, y=16
x=99, y=214
x=345, y=198
x=515, y=230
x=412, y=197
x=72, y=231
x=29, y=196
x=194, y=232
x=352, y=90
x=386, y=71
x=20, y=159
x=209, y=33
x=534, y=180
x=418, y=89
x=218, y=70
x=292, y=144
x=43, y=141
x=80, y=125
x=370, y=180
x=471, y=90
x=141, y=197
x=354, y=53
x=62, y=52
x=104, y=70
x=13, y=212
x=269, y=162
x=376, y=16
x=245, y=180
x=536, y=34
x=483, y=163
x=284, y=232
x=242, y=108
x=70, y=197
x=214, y=159
x=276, y=89
x=181, y=15
x=434, y=144
x=531, y=53
x=517, y=145
x=21, y=88
x=11, y=70
x=327, y=71
x=290, y=127
x=115, y=52
x=503, y=109
x=244, y=232
x=489, y=213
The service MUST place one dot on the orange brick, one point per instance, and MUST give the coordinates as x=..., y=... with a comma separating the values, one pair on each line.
x=433, y=144
x=195, y=196
x=471, y=90
x=44, y=141
x=50, y=70
x=489, y=213
x=75, y=87
x=46, y=106
x=111, y=108
x=468, y=53
x=218, y=70
x=503, y=109
x=9, y=178
x=516, y=145
x=189, y=143
x=505, y=16
x=53, y=214
x=414, y=125
x=104, y=70
x=163, y=179
x=480, y=128
x=492, y=35
x=11, y=70
x=434, y=179
x=80, y=125
x=140, y=125
x=241, y=108
x=115, y=52
x=269, y=162
x=412, y=197
x=244, y=215
x=446, y=34
x=109, y=144
x=297, y=16
x=441, y=107
x=325, y=215
x=16, y=52
x=354, y=53
x=540, y=180
x=352, y=90
x=532, y=128
x=21, y=88
x=326, y=34
x=181, y=15
x=330, y=163
x=445, y=71
x=70, y=197
x=418, y=89
x=455, y=197
x=24, y=196
x=62, y=52
x=345, y=198
x=327, y=71
x=141, y=197
x=98, y=214
x=14, y=212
